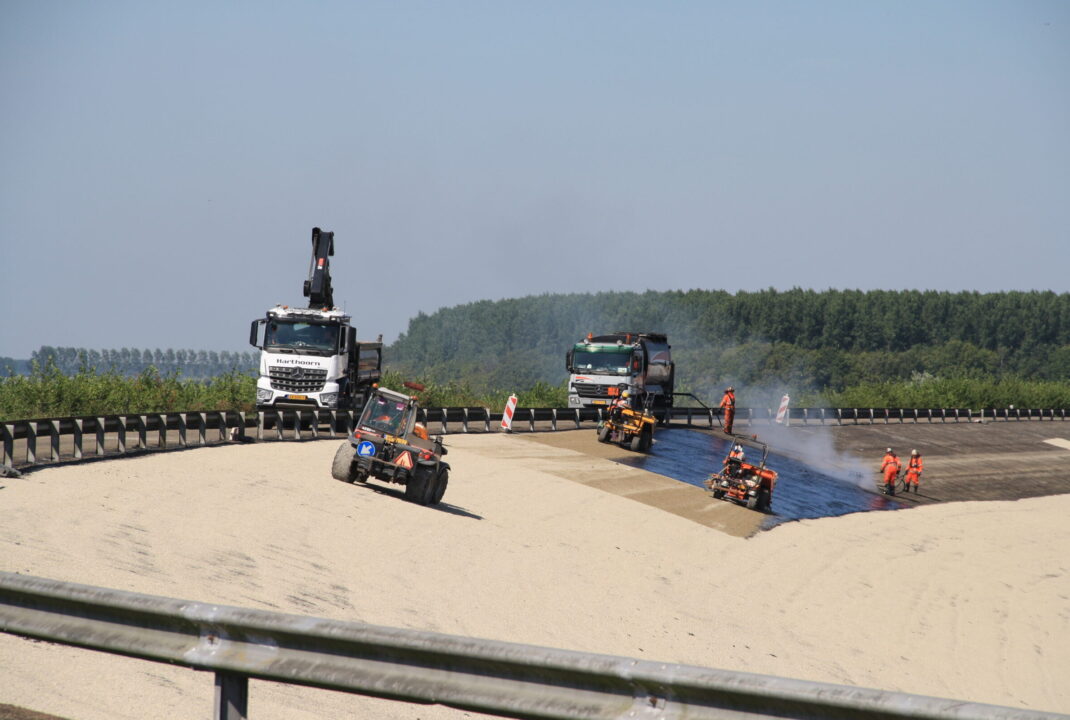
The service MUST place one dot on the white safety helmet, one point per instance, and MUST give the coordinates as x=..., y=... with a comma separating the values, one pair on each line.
x=913, y=452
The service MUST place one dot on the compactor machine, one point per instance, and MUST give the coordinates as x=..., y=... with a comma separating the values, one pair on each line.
x=742, y=482
x=627, y=426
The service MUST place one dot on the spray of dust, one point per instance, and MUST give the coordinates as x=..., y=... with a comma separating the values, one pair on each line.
x=814, y=445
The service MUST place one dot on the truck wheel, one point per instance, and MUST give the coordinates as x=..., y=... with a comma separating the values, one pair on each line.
x=636, y=443
x=342, y=467
x=603, y=434
x=718, y=494
x=441, y=481
x=752, y=502
x=646, y=439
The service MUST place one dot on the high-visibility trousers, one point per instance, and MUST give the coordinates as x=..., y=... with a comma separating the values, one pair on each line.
x=913, y=476
x=729, y=414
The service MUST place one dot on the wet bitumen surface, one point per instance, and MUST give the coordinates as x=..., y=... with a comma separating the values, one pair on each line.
x=801, y=491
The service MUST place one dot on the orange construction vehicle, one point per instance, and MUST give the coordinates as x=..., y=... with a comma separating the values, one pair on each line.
x=743, y=482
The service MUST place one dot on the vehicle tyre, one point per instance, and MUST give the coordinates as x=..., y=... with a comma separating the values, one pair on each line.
x=718, y=494
x=765, y=500
x=646, y=439
x=418, y=486
x=636, y=443
x=342, y=467
x=441, y=481
x=603, y=433
x=752, y=502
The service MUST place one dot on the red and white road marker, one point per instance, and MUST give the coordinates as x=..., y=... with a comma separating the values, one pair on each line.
x=507, y=414
x=782, y=417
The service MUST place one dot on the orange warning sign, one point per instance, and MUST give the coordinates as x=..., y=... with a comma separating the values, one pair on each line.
x=404, y=460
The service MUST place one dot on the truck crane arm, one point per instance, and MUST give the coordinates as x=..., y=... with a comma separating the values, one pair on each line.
x=318, y=286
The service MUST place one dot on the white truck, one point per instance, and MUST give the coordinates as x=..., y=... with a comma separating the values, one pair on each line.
x=600, y=366
x=310, y=358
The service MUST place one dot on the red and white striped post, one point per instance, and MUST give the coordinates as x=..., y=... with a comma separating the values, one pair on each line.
x=507, y=414
x=782, y=417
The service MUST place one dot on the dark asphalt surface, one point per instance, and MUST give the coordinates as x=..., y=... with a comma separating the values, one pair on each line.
x=801, y=491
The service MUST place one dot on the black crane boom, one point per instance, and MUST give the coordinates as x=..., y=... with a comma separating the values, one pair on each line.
x=318, y=286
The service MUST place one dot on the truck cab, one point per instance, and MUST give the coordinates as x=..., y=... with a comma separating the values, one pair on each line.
x=310, y=359
x=599, y=365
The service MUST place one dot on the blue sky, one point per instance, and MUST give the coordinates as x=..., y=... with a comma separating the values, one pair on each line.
x=162, y=164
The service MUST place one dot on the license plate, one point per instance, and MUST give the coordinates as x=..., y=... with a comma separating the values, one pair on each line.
x=298, y=397
x=599, y=402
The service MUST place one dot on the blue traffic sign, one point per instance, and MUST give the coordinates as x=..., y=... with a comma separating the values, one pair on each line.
x=366, y=449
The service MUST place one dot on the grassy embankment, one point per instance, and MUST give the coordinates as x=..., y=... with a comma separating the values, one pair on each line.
x=49, y=393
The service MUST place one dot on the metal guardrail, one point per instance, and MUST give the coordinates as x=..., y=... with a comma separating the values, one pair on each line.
x=77, y=438
x=508, y=679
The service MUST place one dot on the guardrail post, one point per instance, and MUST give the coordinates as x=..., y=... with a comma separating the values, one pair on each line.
x=100, y=435
x=464, y=423
x=259, y=425
x=53, y=439
x=78, y=438
x=553, y=419
x=8, y=431
x=161, y=439
x=31, y=442
x=182, y=429
x=689, y=417
x=577, y=411
x=710, y=414
x=120, y=438
x=531, y=419
x=231, y=696
x=142, y=432
x=445, y=428
x=202, y=428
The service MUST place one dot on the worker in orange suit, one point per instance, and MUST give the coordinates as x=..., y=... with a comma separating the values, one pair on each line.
x=728, y=405
x=890, y=467
x=914, y=470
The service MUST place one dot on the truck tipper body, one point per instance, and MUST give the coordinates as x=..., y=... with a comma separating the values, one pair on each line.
x=310, y=357
x=600, y=365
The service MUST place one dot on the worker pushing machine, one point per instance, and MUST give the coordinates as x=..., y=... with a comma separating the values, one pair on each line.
x=728, y=404
x=890, y=467
x=914, y=470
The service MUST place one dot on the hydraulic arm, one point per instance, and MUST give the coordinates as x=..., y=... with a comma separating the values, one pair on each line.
x=318, y=286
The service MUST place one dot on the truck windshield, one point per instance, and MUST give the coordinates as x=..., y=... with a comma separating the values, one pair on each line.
x=600, y=363
x=384, y=415
x=302, y=337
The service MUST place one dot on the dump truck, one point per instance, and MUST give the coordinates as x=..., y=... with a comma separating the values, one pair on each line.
x=599, y=364
x=310, y=357
x=389, y=444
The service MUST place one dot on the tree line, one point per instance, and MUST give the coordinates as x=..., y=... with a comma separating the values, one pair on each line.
x=807, y=342
x=131, y=362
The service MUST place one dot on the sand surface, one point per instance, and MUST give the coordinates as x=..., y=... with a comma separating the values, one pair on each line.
x=964, y=600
